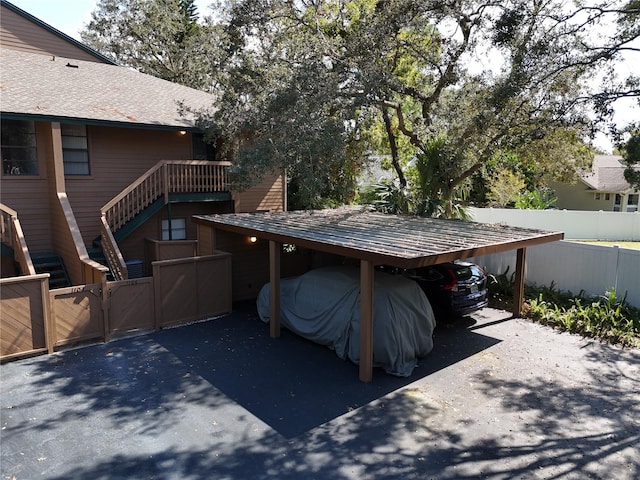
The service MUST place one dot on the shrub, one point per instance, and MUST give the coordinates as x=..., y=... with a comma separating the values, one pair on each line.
x=606, y=317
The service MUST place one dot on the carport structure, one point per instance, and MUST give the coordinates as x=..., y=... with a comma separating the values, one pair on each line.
x=374, y=239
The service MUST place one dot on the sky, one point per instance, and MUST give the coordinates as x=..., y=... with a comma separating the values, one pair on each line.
x=70, y=16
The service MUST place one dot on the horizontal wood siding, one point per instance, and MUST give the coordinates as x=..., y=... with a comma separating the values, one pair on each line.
x=268, y=195
x=117, y=157
x=250, y=263
x=31, y=196
x=133, y=247
x=18, y=33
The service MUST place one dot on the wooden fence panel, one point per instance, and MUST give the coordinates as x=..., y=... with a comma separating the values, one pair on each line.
x=77, y=314
x=130, y=305
x=214, y=293
x=192, y=289
x=24, y=315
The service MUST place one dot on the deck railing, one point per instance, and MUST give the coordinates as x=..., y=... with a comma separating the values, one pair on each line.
x=166, y=177
x=11, y=235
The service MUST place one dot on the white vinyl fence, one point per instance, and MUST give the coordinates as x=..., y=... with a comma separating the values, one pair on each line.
x=575, y=267
x=576, y=224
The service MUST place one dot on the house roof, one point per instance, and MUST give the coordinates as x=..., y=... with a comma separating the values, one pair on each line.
x=60, y=89
x=606, y=175
x=398, y=240
x=56, y=32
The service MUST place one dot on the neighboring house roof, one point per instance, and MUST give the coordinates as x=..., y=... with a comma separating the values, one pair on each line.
x=606, y=175
x=56, y=32
x=60, y=89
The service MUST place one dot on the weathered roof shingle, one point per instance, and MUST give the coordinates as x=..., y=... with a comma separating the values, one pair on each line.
x=60, y=88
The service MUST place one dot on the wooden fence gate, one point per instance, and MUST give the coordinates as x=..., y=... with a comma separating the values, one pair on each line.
x=34, y=319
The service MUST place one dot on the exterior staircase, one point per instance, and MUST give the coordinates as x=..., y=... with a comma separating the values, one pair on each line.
x=167, y=182
x=96, y=254
x=52, y=264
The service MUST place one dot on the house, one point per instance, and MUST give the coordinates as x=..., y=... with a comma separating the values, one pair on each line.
x=603, y=188
x=98, y=162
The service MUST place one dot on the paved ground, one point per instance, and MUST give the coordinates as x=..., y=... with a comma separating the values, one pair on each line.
x=498, y=398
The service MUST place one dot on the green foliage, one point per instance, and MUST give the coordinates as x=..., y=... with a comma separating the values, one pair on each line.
x=536, y=200
x=162, y=38
x=311, y=88
x=606, y=317
x=504, y=188
x=387, y=197
x=631, y=155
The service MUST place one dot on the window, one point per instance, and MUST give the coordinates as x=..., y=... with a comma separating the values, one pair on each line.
x=632, y=202
x=201, y=149
x=75, y=151
x=607, y=196
x=174, y=229
x=617, y=203
x=19, y=154
x=597, y=196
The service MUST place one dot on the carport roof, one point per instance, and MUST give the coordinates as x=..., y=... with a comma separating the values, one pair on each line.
x=400, y=240
x=374, y=238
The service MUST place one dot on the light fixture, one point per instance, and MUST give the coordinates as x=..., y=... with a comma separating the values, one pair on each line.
x=182, y=132
x=253, y=239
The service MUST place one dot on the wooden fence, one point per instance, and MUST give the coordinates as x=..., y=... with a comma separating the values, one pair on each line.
x=34, y=319
x=25, y=319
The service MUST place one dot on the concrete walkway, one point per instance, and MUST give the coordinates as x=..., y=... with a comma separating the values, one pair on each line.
x=498, y=398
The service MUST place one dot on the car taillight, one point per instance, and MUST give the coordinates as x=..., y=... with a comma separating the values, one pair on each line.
x=453, y=284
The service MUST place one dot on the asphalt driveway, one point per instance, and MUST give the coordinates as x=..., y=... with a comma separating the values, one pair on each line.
x=498, y=398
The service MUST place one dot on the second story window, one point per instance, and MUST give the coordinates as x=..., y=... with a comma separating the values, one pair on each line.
x=75, y=149
x=19, y=153
x=202, y=150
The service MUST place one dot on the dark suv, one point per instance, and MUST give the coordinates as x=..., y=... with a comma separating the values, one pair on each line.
x=454, y=289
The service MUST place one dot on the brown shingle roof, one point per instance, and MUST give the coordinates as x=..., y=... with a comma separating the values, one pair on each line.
x=60, y=88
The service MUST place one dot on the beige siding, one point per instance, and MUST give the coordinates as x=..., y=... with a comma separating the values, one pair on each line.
x=578, y=197
x=18, y=33
x=266, y=196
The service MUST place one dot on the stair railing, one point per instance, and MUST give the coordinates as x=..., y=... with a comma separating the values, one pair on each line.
x=164, y=178
x=168, y=176
x=11, y=234
x=112, y=252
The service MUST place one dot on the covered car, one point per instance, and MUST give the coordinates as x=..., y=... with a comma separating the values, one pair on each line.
x=323, y=305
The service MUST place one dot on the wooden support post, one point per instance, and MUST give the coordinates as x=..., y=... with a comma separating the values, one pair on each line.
x=366, y=321
x=274, y=278
x=518, y=290
x=48, y=316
